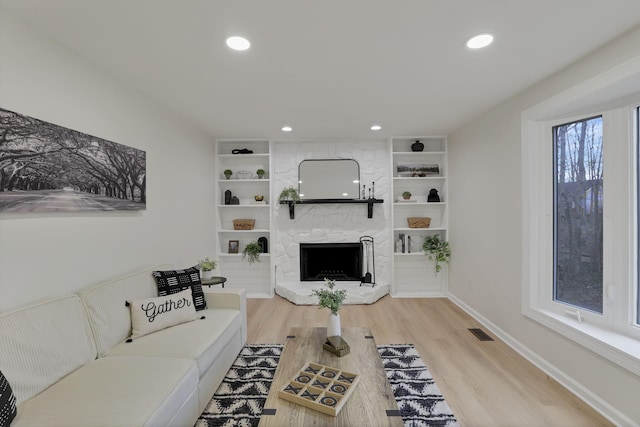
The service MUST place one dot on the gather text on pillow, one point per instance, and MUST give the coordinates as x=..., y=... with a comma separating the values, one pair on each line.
x=151, y=309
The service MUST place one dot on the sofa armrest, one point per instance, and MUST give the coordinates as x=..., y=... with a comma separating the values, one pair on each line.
x=231, y=299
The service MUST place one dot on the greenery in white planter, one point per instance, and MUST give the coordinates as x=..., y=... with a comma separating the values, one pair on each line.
x=406, y=195
x=437, y=250
x=260, y=173
x=252, y=252
x=289, y=193
x=227, y=173
x=330, y=298
x=207, y=264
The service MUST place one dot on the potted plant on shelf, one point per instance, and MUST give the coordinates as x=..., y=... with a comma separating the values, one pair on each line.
x=406, y=195
x=252, y=252
x=437, y=250
x=289, y=194
x=332, y=299
x=260, y=173
x=206, y=267
x=228, y=173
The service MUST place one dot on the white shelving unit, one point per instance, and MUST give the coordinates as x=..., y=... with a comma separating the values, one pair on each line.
x=244, y=184
x=413, y=274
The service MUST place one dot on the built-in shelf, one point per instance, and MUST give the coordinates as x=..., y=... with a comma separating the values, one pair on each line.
x=420, y=229
x=253, y=230
x=244, y=183
x=418, y=178
x=239, y=255
x=420, y=253
x=368, y=202
x=419, y=203
x=413, y=273
x=251, y=206
x=245, y=156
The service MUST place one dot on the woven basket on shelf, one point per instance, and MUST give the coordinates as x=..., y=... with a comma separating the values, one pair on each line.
x=243, y=224
x=419, y=222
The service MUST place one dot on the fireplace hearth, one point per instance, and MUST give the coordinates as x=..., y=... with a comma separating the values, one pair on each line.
x=335, y=261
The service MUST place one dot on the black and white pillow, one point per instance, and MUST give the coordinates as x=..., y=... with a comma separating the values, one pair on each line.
x=174, y=281
x=8, y=409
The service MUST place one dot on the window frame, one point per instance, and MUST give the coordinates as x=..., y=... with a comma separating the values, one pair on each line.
x=614, y=334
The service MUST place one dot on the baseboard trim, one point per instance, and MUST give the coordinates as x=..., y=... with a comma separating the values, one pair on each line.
x=259, y=295
x=426, y=294
x=583, y=393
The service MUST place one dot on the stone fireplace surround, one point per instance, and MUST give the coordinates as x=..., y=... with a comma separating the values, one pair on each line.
x=330, y=223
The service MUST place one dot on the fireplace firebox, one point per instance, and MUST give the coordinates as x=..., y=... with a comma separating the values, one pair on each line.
x=335, y=261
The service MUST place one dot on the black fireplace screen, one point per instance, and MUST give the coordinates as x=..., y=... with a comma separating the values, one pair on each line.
x=336, y=261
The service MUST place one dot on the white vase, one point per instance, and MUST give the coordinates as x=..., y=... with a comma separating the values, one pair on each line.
x=206, y=274
x=333, y=327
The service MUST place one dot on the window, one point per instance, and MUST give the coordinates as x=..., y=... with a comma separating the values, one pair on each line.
x=578, y=202
x=581, y=232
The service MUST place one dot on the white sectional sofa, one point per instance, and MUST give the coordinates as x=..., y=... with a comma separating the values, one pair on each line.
x=68, y=362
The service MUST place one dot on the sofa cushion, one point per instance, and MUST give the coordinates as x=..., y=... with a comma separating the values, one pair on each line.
x=201, y=340
x=154, y=314
x=109, y=317
x=117, y=391
x=42, y=343
x=7, y=402
x=173, y=281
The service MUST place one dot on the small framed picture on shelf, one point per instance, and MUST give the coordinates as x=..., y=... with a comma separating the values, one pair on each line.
x=233, y=246
x=417, y=170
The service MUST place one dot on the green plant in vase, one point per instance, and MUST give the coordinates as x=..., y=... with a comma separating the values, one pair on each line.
x=406, y=195
x=289, y=194
x=227, y=173
x=252, y=252
x=437, y=250
x=207, y=266
x=260, y=173
x=330, y=298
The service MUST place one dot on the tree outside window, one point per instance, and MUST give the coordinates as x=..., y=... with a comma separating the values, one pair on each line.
x=578, y=202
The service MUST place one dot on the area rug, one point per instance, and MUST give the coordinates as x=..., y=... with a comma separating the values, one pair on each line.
x=417, y=395
x=240, y=398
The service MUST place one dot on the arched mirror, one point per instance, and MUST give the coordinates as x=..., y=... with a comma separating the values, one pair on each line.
x=329, y=179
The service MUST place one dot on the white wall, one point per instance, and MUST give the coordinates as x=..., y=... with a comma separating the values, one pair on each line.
x=45, y=255
x=485, y=237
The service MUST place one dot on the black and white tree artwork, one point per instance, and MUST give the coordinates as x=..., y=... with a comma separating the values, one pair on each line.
x=49, y=168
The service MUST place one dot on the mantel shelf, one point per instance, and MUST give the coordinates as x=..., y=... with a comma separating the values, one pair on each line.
x=368, y=202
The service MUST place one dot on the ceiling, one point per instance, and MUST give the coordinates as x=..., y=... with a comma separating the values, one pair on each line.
x=329, y=69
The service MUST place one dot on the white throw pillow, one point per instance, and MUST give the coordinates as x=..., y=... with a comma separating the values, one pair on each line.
x=153, y=314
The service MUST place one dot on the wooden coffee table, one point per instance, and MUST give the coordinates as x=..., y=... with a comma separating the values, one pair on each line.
x=371, y=403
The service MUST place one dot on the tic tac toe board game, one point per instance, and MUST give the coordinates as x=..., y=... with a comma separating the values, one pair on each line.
x=320, y=387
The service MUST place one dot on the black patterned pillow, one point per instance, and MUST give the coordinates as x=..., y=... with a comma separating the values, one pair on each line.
x=8, y=409
x=174, y=281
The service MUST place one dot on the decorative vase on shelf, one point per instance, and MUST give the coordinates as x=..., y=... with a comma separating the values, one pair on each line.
x=417, y=146
x=333, y=327
x=207, y=274
x=433, y=196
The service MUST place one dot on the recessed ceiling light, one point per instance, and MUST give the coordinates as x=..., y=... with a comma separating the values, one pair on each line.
x=479, y=41
x=238, y=43
x=287, y=128
x=376, y=127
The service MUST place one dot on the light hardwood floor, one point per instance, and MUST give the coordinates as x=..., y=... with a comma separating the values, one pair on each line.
x=485, y=383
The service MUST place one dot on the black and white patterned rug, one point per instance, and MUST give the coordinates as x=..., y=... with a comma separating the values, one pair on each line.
x=240, y=398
